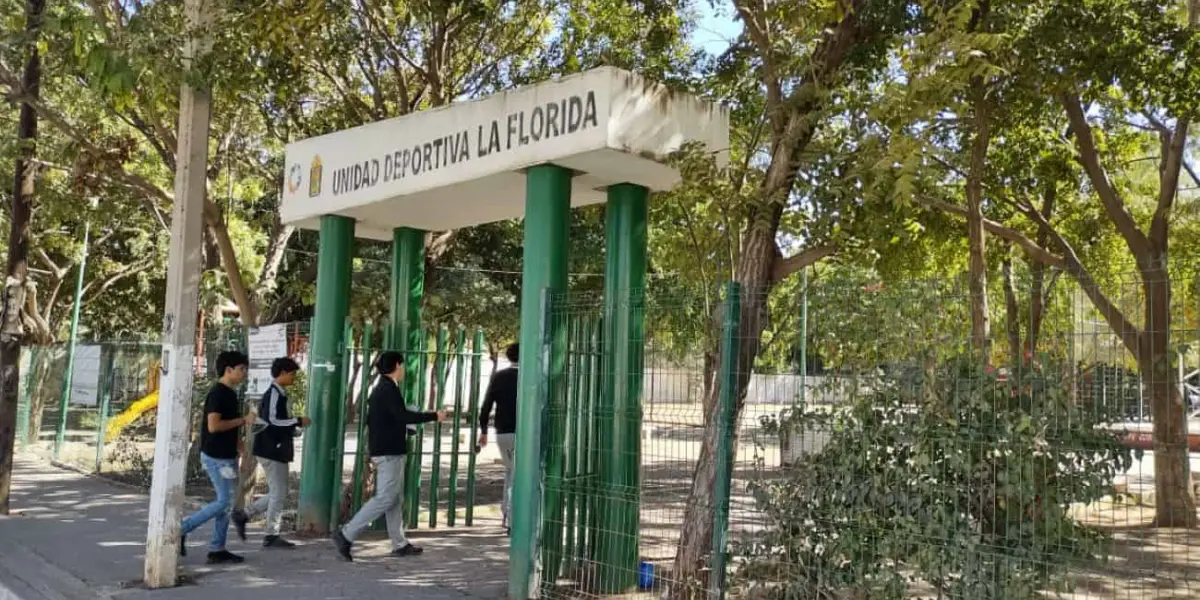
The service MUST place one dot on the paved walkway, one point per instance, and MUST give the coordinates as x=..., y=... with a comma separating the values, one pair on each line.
x=71, y=536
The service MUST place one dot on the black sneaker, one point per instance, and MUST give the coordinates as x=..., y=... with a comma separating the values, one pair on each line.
x=224, y=557
x=183, y=544
x=408, y=550
x=240, y=518
x=274, y=541
x=342, y=544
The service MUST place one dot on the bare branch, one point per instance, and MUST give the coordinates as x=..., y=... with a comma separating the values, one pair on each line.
x=758, y=30
x=1168, y=183
x=1030, y=247
x=56, y=271
x=1113, y=204
x=1117, y=321
x=786, y=266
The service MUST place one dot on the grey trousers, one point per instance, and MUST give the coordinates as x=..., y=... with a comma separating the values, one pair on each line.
x=277, y=489
x=387, y=502
x=506, y=443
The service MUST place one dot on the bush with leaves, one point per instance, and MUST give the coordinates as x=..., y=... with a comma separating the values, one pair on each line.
x=960, y=487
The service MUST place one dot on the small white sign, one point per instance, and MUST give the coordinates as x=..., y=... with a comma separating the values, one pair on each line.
x=85, y=375
x=264, y=345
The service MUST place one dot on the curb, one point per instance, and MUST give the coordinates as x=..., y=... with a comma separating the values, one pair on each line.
x=40, y=579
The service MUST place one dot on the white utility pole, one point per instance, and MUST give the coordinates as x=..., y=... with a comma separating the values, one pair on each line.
x=179, y=318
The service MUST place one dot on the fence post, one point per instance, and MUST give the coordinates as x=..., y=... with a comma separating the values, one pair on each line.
x=105, y=399
x=460, y=349
x=416, y=450
x=339, y=439
x=440, y=377
x=476, y=378
x=360, y=444
x=65, y=402
x=728, y=380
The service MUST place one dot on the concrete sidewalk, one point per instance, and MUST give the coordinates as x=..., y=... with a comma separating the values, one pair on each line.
x=71, y=536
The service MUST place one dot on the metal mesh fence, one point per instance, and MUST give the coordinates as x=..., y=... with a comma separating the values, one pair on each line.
x=874, y=447
x=103, y=419
x=109, y=423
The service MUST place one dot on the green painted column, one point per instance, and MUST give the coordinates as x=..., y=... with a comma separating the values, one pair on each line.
x=326, y=382
x=408, y=291
x=64, y=406
x=547, y=221
x=620, y=441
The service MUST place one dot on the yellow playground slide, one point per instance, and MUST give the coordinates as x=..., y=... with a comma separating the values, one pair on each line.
x=135, y=410
x=130, y=414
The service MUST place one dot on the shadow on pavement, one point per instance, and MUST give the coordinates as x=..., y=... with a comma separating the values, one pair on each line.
x=78, y=536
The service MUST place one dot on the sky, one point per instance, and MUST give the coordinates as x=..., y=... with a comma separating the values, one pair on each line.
x=717, y=27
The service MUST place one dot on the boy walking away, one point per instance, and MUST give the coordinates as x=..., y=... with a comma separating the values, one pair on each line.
x=502, y=394
x=388, y=419
x=219, y=454
x=275, y=448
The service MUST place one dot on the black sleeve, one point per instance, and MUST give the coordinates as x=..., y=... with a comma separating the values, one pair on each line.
x=216, y=402
x=404, y=416
x=213, y=404
x=489, y=400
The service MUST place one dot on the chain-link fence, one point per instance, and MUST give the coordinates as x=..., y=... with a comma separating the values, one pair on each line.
x=103, y=420
x=869, y=450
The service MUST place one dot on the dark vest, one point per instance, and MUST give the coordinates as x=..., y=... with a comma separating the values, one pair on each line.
x=275, y=442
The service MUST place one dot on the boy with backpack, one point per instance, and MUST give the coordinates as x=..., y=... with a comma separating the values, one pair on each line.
x=275, y=448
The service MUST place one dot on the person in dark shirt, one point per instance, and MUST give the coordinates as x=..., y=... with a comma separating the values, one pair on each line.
x=274, y=447
x=219, y=454
x=388, y=418
x=502, y=394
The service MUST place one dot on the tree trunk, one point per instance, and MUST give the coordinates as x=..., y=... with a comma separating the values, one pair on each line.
x=1038, y=292
x=695, y=542
x=24, y=177
x=977, y=278
x=1174, y=504
x=37, y=400
x=1012, y=314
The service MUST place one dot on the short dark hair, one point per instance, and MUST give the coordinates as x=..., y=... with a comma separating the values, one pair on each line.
x=230, y=359
x=513, y=353
x=283, y=364
x=386, y=363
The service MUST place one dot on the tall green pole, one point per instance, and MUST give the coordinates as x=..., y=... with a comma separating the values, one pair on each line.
x=408, y=290
x=64, y=403
x=621, y=414
x=326, y=383
x=727, y=378
x=547, y=220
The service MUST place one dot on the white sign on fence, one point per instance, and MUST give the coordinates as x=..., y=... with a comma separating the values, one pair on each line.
x=85, y=375
x=264, y=345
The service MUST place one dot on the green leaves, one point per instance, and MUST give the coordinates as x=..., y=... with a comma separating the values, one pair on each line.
x=953, y=479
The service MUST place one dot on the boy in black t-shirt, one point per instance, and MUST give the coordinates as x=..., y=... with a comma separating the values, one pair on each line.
x=219, y=454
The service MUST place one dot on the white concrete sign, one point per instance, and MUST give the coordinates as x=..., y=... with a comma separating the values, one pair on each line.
x=85, y=375
x=264, y=345
x=461, y=165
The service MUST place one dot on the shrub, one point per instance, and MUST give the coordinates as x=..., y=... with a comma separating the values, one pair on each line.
x=960, y=486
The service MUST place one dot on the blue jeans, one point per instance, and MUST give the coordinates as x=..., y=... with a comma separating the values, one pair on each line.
x=223, y=473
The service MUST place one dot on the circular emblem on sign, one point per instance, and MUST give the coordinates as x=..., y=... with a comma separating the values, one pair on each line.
x=293, y=178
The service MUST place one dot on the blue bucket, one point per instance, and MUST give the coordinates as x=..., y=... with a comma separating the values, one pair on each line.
x=645, y=575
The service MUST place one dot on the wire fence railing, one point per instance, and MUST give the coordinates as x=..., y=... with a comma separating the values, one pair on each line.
x=103, y=422
x=879, y=449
